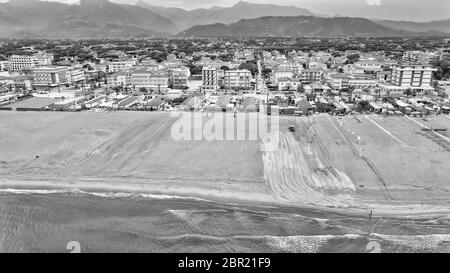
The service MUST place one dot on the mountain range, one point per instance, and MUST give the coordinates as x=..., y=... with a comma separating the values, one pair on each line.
x=91, y=18
x=299, y=26
x=436, y=26
x=184, y=19
x=102, y=19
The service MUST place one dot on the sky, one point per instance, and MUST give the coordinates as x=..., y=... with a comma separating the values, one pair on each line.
x=411, y=10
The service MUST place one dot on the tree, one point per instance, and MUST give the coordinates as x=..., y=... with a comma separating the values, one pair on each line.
x=408, y=92
x=143, y=90
x=351, y=59
x=251, y=66
x=224, y=68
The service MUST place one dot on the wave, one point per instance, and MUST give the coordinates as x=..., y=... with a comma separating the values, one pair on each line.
x=317, y=243
x=294, y=244
x=418, y=242
x=100, y=194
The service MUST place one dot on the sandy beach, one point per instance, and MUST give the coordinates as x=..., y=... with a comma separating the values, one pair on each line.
x=348, y=165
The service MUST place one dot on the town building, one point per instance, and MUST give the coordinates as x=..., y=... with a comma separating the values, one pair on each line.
x=179, y=77
x=237, y=79
x=414, y=76
x=369, y=65
x=75, y=75
x=4, y=65
x=119, y=79
x=117, y=66
x=311, y=75
x=21, y=62
x=339, y=81
x=150, y=80
x=289, y=84
x=210, y=79
x=48, y=77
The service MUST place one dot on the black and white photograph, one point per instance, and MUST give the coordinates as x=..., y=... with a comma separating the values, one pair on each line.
x=252, y=129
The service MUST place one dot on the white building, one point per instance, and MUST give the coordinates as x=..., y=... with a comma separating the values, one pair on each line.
x=289, y=84
x=118, y=66
x=210, y=79
x=150, y=80
x=21, y=62
x=43, y=59
x=280, y=73
x=4, y=65
x=311, y=75
x=352, y=69
x=179, y=77
x=414, y=76
x=75, y=75
x=49, y=76
x=119, y=79
x=369, y=65
x=237, y=79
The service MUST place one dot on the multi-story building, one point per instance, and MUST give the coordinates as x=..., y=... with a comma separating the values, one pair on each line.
x=311, y=75
x=210, y=79
x=289, y=84
x=362, y=84
x=339, y=81
x=369, y=65
x=21, y=62
x=119, y=79
x=117, y=66
x=414, y=76
x=75, y=75
x=43, y=59
x=49, y=76
x=4, y=65
x=237, y=79
x=179, y=77
x=152, y=81
x=420, y=57
x=280, y=73
x=352, y=69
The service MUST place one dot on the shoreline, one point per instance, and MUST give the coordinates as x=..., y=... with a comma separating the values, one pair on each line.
x=220, y=197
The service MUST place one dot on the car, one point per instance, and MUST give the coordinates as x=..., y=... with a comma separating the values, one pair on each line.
x=292, y=128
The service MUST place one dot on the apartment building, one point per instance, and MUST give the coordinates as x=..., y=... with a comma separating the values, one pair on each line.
x=281, y=73
x=339, y=81
x=419, y=57
x=412, y=75
x=289, y=84
x=210, y=79
x=118, y=66
x=311, y=75
x=49, y=76
x=237, y=79
x=43, y=59
x=369, y=65
x=4, y=65
x=21, y=62
x=119, y=79
x=152, y=81
x=75, y=75
x=179, y=77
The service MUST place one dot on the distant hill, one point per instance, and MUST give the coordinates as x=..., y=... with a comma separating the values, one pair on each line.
x=92, y=18
x=299, y=26
x=442, y=26
x=184, y=19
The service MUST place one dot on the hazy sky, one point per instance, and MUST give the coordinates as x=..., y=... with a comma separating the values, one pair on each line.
x=417, y=10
